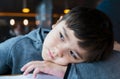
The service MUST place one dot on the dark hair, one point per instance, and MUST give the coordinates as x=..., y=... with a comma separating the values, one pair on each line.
x=94, y=28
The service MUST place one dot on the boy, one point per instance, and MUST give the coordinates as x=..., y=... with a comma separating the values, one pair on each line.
x=82, y=35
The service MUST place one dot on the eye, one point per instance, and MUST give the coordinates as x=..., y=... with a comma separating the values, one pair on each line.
x=61, y=36
x=73, y=55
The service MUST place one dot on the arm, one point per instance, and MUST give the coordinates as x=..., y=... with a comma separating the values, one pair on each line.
x=45, y=67
x=4, y=57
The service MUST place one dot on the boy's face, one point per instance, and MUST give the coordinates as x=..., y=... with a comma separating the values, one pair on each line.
x=61, y=47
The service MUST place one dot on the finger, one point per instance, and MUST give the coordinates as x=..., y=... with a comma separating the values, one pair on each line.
x=26, y=66
x=28, y=69
x=36, y=71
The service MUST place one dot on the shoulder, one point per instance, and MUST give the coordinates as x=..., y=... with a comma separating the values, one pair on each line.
x=19, y=39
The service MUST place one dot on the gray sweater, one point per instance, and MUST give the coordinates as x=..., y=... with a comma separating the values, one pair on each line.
x=108, y=69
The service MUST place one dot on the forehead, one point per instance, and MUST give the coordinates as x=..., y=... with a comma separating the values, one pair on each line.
x=68, y=33
x=72, y=40
x=61, y=24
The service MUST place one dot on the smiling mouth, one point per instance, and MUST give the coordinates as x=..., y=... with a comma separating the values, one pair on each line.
x=50, y=54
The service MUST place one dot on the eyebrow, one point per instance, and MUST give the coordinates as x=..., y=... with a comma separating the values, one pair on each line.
x=65, y=33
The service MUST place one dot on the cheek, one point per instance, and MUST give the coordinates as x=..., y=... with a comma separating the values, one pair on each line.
x=51, y=39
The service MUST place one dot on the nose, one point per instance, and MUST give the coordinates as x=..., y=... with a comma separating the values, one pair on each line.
x=59, y=52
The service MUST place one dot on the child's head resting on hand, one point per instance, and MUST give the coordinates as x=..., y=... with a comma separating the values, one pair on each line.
x=82, y=35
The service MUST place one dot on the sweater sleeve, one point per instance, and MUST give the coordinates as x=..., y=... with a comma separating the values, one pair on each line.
x=5, y=59
x=107, y=69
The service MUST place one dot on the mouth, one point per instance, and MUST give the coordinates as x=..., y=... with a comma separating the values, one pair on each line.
x=50, y=54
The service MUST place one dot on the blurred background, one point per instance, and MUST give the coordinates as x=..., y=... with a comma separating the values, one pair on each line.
x=18, y=17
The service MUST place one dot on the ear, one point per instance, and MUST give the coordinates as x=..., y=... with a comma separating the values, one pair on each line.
x=60, y=18
x=57, y=21
x=53, y=26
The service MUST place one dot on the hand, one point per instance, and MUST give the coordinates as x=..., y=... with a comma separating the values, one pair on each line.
x=45, y=67
x=116, y=46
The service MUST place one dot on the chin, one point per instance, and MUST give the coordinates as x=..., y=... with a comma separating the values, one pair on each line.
x=43, y=56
